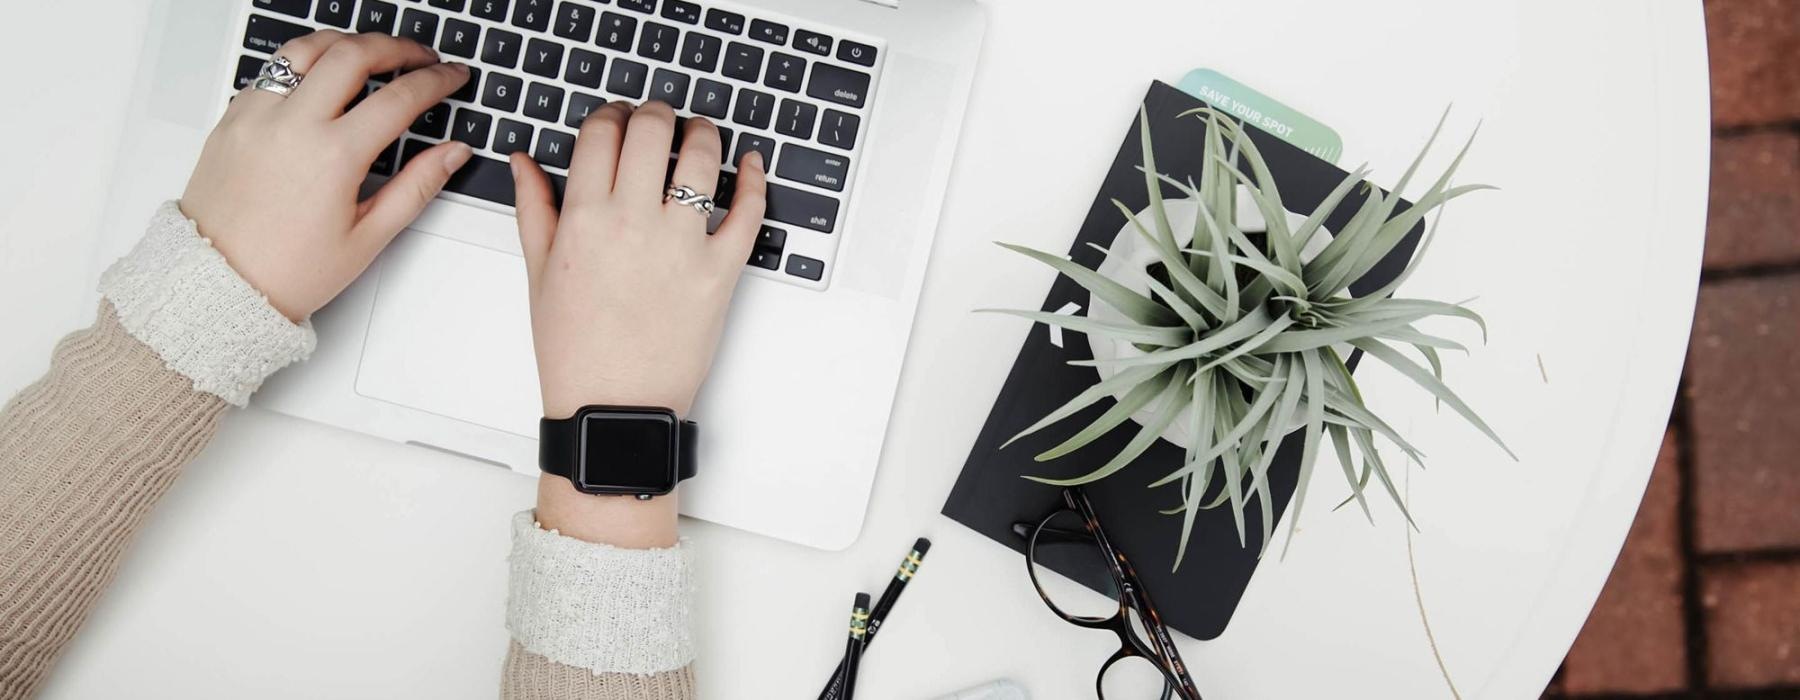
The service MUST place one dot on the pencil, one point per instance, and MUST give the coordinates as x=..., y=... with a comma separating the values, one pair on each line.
x=909, y=567
x=859, y=628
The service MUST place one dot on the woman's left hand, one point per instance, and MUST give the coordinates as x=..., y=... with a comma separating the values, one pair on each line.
x=276, y=187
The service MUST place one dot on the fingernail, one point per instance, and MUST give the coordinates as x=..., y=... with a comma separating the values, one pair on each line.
x=754, y=159
x=458, y=155
x=514, y=163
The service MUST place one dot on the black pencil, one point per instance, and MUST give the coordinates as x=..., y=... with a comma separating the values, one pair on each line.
x=859, y=628
x=909, y=567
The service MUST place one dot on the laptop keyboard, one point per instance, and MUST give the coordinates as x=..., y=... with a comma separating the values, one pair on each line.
x=799, y=94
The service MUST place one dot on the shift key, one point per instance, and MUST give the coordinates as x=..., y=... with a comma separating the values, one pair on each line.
x=791, y=206
x=813, y=167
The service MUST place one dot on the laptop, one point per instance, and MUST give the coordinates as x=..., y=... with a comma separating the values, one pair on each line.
x=855, y=104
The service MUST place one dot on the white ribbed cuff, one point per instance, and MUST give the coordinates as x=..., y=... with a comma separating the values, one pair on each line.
x=599, y=607
x=176, y=294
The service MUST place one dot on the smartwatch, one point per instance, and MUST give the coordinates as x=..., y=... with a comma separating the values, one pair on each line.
x=619, y=450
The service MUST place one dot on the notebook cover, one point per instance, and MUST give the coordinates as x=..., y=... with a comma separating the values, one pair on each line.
x=990, y=494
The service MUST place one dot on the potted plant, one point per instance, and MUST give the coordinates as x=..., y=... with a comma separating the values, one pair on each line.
x=1222, y=323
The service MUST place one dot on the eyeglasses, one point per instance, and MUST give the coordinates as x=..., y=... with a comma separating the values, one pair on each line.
x=1071, y=540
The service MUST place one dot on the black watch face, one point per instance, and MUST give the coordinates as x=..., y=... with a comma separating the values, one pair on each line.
x=627, y=452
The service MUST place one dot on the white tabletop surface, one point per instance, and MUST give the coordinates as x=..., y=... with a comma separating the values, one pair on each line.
x=1594, y=125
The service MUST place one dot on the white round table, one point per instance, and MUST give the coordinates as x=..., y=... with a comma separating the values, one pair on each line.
x=1594, y=125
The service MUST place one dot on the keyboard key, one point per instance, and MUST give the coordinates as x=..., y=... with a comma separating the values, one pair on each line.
x=494, y=10
x=248, y=68
x=460, y=37
x=725, y=191
x=544, y=102
x=722, y=21
x=616, y=31
x=681, y=11
x=451, y=5
x=860, y=54
x=574, y=21
x=419, y=26
x=724, y=144
x=377, y=17
x=502, y=92
x=791, y=206
x=658, y=41
x=467, y=92
x=764, y=30
x=471, y=127
x=754, y=109
x=813, y=167
x=336, y=13
x=296, y=8
x=670, y=87
x=840, y=85
x=812, y=42
x=786, y=72
x=700, y=52
x=802, y=266
x=644, y=6
x=584, y=68
x=501, y=48
x=795, y=118
x=742, y=62
x=581, y=105
x=554, y=148
x=838, y=130
x=766, y=259
x=748, y=142
x=771, y=238
x=266, y=35
x=511, y=136
x=387, y=160
x=627, y=78
x=544, y=58
x=482, y=178
x=434, y=122
x=711, y=98
x=531, y=14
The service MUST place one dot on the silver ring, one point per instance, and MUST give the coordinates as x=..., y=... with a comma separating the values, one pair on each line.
x=277, y=76
x=687, y=195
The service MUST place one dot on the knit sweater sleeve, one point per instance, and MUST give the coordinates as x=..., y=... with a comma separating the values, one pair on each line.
x=88, y=450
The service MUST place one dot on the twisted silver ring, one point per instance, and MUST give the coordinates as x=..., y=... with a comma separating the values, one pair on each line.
x=277, y=76
x=687, y=195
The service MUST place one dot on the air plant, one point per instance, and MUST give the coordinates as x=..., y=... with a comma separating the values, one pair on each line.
x=1252, y=336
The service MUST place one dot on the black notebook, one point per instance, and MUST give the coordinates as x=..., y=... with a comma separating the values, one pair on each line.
x=990, y=495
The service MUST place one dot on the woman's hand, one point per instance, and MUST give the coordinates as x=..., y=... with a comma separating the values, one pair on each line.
x=277, y=184
x=628, y=293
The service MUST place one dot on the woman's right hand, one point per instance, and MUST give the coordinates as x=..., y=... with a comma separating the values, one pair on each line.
x=628, y=292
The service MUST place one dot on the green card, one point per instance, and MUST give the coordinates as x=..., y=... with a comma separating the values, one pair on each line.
x=1261, y=111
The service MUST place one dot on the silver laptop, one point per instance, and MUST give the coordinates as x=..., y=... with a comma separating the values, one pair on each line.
x=855, y=104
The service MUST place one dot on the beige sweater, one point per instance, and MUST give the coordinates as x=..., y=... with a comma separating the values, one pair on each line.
x=89, y=449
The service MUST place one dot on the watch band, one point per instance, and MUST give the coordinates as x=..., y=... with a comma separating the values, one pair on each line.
x=559, y=442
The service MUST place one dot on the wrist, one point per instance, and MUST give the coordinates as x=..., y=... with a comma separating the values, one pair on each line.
x=563, y=403
x=621, y=521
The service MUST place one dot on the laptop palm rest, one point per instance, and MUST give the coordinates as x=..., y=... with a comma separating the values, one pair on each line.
x=450, y=334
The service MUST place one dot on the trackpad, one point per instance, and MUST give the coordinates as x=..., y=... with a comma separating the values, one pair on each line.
x=451, y=334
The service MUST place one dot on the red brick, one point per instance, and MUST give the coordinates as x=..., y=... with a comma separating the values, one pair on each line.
x=1743, y=390
x=1752, y=624
x=1634, y=640
x=1753, y=216
x=1752, y=45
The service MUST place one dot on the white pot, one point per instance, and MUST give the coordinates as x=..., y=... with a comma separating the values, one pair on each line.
x=1128, y=261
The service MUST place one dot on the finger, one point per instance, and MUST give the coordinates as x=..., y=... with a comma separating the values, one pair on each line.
x=698, y=165
x=536, y=205
x=301, y=53
x=386, y=114
x=644, y=159
x=344, y=68
x=737, y=233
x=596, y=157
x=399, y=201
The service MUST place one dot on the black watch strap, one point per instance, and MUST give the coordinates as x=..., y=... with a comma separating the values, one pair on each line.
x=559, y=441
